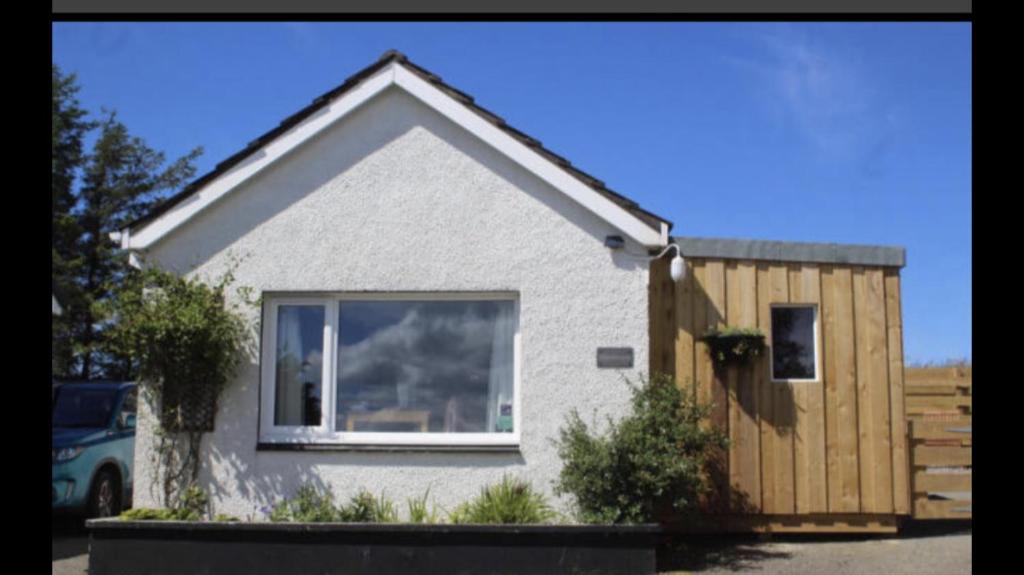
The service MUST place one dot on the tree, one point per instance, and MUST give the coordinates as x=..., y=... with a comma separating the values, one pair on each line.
x=68, y=127
x=119, y=180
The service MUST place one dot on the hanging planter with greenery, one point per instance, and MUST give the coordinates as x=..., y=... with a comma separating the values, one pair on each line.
x=186, y=342
x=734, y=345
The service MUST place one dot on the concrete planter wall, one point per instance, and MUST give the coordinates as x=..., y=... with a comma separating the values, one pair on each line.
x=171, y=548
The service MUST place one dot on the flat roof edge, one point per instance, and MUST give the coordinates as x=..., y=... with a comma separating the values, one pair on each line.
x=849, y=254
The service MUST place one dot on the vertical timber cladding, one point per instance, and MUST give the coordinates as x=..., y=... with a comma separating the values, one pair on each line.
x=832, y=446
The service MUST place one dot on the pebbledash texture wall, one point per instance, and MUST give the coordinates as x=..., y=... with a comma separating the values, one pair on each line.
x=396, y=197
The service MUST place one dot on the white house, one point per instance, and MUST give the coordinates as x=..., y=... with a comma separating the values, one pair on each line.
x=436, y=289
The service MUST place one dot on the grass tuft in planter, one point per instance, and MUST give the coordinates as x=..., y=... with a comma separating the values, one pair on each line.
x=734, y=345
x=513, y=501
x=311, y=505
x=365, y=508
x=419, y=513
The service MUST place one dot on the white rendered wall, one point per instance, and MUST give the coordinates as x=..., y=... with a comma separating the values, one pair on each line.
x=397, y=198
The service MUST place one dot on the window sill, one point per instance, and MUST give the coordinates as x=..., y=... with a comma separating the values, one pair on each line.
x=292, y=446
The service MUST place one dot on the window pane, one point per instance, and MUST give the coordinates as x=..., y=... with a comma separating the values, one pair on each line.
x=83, y=406
x=416, y=366
x=793, y=343
x=300, y=345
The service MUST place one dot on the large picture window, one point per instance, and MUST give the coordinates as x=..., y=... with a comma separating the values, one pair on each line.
x=399, y=369
x=794, y=342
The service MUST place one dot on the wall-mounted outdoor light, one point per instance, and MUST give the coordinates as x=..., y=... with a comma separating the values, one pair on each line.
x=614, y=242
x=677, y=268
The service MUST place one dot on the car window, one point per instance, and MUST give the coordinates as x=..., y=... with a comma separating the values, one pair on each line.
x=78, y=407
x=130, y=402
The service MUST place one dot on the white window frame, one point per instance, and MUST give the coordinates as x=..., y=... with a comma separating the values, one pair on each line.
x=324, y=433
x=817, y=346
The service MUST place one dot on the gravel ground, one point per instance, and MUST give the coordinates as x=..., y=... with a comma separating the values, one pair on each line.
x=932, y=548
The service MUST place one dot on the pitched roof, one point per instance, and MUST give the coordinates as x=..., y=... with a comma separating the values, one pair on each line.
x=392, y=56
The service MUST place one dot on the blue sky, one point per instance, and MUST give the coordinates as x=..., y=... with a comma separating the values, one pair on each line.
x=845, y=132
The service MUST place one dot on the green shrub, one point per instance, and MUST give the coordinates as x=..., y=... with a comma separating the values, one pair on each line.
x=647, y=465
x=511, y=501
x=418, y=512
x=308, y=506
x=193, y=503
x=192, y=506
x=185, y=339
x=148, y=514
x=223, y=518
x=365, y=508
x=734, y=345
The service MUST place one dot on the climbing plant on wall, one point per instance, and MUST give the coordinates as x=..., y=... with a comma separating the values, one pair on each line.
x=186, y=340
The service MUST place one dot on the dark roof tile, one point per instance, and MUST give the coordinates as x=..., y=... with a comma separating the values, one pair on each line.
x=465, y=99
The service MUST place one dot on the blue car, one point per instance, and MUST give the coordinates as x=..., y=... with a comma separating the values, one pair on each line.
x=93, y=447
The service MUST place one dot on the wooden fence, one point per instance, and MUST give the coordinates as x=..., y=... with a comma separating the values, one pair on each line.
x=938, y=403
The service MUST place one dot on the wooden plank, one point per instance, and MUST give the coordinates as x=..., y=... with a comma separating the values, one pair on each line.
x=932, y=389
x=817, y=523
x=784, y=412
x=873, y=392
x=767, y=393
x=835, y=527
x=918, y=404
x=737, y=444
x=897, y=413
x=940, y=429
x=958, y=442
x=702, y=362
x=938, y=373
x=925, y=482
x=880, y=390
x=714, y=287
x=941, y=509
x=925, y=455
x=744, y=450
x=801, y=427
x=827, y=320
x=842, y=386
x=685, y=369
x=937, y=415
x=954, y=382
x=810, y=473
x=662, y=320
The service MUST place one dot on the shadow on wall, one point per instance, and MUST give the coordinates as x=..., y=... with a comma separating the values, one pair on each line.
x=753, y=392
x=781, y=414
x=232, y=468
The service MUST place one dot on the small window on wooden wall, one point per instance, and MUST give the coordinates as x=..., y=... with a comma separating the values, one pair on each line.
x=795, y=342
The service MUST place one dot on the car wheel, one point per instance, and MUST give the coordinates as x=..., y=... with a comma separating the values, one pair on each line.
x=104, y=499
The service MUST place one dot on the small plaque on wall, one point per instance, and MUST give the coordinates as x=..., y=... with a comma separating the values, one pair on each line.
x=615, y=357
